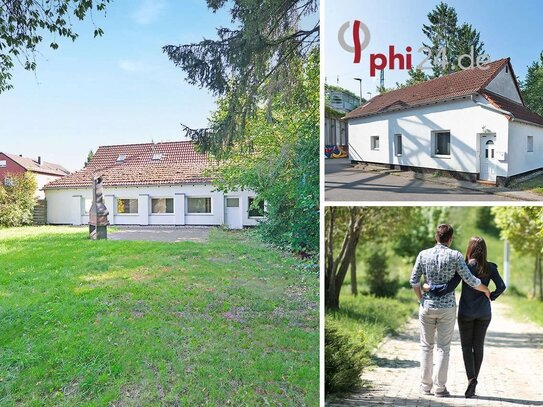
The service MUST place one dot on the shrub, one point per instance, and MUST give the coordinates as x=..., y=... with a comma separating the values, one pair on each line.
x=484, y=220
x=344, y=359
x=17, y=200
x=379, y=282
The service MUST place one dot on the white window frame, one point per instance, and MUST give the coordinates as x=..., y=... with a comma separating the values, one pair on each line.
x=434, y=144
x=249, y=208
x=374, y=143
x=159, y=213
x=3, y=163
x=530, y=144
x=210, y=213
x=397, y=137
x=84, y=205
x=130, y=214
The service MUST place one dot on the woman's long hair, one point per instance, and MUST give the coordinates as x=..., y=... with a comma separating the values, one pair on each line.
x=476, y=251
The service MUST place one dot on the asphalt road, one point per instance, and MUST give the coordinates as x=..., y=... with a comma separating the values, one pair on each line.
x=344, y=183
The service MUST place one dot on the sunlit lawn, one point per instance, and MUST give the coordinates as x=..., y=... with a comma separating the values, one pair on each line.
x=230, y=321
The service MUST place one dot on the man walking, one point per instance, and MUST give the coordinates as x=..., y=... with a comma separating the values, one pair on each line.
x=437, y=314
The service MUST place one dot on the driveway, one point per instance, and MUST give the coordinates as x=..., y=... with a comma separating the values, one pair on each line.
x=345, y=183
x=168, y=234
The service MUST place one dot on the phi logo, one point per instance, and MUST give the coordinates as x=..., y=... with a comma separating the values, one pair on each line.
x=359, y=46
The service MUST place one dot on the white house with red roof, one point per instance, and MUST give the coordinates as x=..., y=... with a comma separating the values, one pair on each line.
x=472, y=124
x=45, y=172
x=151, y=184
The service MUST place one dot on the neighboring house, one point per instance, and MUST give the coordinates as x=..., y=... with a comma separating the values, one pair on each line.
x=11, y=164
x=338, y=102
x=472, y=124
x=150, y=184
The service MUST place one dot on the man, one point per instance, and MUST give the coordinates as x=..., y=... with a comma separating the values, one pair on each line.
x=437, y=314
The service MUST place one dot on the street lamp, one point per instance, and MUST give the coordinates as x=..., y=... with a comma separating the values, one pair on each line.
x=359, y=80
x=369, y=93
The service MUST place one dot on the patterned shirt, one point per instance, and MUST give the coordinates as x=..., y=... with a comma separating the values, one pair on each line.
x=438, y=265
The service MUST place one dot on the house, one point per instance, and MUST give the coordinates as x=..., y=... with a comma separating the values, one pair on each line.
x=472, y=124
x=151, y=184
x=338, y=102
x=11, y=164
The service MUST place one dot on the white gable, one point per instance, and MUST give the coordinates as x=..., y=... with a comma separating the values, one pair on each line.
x=504, y=84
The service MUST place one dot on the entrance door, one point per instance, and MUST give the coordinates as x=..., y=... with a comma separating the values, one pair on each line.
x=232, y=212
x=489, y=161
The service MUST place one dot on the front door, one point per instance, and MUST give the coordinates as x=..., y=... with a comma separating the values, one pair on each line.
x=489, y=161
x=232, y=212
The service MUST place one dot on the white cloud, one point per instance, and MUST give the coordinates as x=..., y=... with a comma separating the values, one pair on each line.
x=148, y=11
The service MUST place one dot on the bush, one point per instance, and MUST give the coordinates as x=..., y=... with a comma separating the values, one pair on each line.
x=484, y=220
x=344, y=360
x=17, y=200
x=379, y=282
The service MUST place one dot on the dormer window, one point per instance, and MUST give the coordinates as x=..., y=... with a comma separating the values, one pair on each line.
x=121, y=158
x=157, y=156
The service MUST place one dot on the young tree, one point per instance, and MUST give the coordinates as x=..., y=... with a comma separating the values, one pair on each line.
x=23, y=23
x=248, y=65
x=89, y=158
x=17, y=199
x=532, y=87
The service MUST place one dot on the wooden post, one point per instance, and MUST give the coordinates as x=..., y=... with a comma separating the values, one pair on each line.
x=506, y=252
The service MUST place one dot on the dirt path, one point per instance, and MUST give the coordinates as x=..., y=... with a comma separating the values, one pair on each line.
x=511, y=375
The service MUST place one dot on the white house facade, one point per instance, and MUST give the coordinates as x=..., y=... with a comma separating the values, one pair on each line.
x=151, y=184
x=472, y=125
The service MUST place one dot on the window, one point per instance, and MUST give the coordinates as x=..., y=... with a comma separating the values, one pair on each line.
x=87, y=203
x=256, y=209
x=398, y=144
x=9, y=182
x=199, y=205
x=530, y=144
x=375, y=142
x=162, y=205
x=442, y=143
x=121, y=158
x=157, y=156
x=127, y=206
x=232, y=202
x=3, y=164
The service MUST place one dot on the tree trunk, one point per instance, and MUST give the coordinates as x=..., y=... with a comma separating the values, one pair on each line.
x=540, y=277
x=354, y=284
x=534, y=284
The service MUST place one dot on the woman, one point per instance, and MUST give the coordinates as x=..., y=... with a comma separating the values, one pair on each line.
x=474, y=312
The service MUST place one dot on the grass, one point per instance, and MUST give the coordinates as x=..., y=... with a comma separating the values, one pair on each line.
x=523, y=308
x=227, y=322
x=534, y=185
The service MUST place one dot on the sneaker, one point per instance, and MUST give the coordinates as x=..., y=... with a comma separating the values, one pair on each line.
x=444, y=393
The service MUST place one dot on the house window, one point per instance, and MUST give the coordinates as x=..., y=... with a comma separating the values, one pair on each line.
x=199, y=205
x=121, y=158
x=9, y=182
x=375, y=142
x=442, y=143
x=232, y=202
x=398, y=144
x=87, y=203
x=161, y=205
x=256, y=209
x=3, y=164
x=127, y=206
x=157, y=156
x=530, y=144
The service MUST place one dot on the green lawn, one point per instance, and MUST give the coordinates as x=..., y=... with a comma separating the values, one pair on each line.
x=227, y=322
x=534, y=185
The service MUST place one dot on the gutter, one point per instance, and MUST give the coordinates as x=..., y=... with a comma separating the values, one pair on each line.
x=505, y=112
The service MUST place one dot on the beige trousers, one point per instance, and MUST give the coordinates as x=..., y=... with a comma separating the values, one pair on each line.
x=435, y=322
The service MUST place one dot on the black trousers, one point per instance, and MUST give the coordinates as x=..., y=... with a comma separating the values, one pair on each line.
x=472, y=338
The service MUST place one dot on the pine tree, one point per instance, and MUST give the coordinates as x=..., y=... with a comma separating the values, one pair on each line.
x=532, y=87
x=441, y=32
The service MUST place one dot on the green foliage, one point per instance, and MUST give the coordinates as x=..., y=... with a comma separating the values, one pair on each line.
x=532, y=87
x=89, y=158
x=344, y=359
x=17, y=200
x=23, y=23
x=522, y=226
x=282, y=166
x=378, y=275
x=485, y=221
x=247, y=65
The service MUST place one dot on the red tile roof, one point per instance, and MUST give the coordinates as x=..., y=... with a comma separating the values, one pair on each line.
x=516, y=110
x=44, y=168
x=180, y=164
x=456, y=85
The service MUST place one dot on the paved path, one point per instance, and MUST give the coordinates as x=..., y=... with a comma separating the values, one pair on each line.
x=511, y=374
x=169, y=234
x=346, y=183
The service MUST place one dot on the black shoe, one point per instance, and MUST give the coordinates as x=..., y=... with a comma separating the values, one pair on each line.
x=470, y=391
x=444, y=393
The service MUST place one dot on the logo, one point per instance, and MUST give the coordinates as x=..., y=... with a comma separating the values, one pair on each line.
x=358, y=26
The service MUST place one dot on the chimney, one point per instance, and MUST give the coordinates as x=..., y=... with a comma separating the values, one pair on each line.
x=39, y=160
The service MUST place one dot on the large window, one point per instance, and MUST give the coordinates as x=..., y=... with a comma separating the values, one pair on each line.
x=398, y=148
x=199, y=205
x=530, y=144
x=161, y=205
x=3, y=163
x=125, y=206
x=256, y=209
x=375, y=142
x=442, y=143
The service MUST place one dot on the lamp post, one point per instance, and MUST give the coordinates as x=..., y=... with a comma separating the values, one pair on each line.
x=360, y=81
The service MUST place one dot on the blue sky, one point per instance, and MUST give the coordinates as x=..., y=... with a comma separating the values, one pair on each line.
x=508, y=28
x=116, y=89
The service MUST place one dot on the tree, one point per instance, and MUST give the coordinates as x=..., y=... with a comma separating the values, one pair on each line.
x=532, y=87
x=89, y=158
x=23, y=23
x=523, y=227
x=17, y=199
x=467, y=42
x=248, y=65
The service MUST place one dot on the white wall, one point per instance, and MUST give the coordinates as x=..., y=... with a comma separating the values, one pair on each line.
x=43, y=179
x=520, y=159
x=464, y=119
x=503, y=84
x=66, y=206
